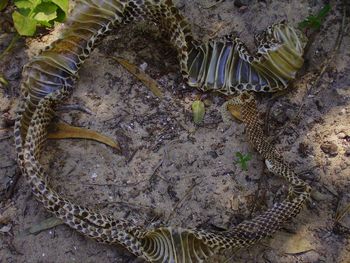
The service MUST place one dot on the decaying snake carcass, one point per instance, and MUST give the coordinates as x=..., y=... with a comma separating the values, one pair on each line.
x=223, y=65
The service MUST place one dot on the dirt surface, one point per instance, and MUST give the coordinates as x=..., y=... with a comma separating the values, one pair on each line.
x=173, y=172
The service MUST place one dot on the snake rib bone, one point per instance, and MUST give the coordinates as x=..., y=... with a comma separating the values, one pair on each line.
x=223, y=65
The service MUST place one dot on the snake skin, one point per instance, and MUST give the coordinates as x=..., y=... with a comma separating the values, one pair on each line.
x=223, y=65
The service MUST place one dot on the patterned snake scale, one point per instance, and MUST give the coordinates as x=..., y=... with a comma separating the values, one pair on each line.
x=223, y=65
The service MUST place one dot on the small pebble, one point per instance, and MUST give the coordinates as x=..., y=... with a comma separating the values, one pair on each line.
x=134, y=192
x=343, y=166
x=330, y=148
x=341, y=135
x=143, y=66
x=213, y=154
x=347, y=152
x=279, y=116
x=342, y=112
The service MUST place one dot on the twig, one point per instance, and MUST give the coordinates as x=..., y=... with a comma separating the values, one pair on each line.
x=5, y=138
x=213, y=5
x=11, y=187
x=131, y=205
x=10, y=46
x=330, y=191
x=77, y=107
x=132, y=155
x=151, y=178
x=8, y=165
x=114, y=185
x=189, y=190
x=342, y=213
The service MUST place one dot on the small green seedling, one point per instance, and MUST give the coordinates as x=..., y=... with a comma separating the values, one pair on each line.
x=33, y=13
x=315, y=21
x=198, y=111
x=243, y=160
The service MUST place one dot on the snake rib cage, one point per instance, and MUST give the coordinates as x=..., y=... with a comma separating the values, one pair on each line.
x=223, y=65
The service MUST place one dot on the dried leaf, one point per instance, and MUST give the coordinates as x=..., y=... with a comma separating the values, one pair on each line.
x=143, y=77
x=292, y=243
x=5, y=229
x=3, y=81
x=64, y=131
x=213, y=4
x=343, y=210
x=235, y=111
x=44, y=225
x=8, y=214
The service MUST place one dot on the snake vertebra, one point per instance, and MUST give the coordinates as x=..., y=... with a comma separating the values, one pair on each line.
x=222, y=65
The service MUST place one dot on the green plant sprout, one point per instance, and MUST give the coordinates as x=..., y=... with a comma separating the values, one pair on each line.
x=198, y=110
x=243, y=160
x=33, y=13
x=315, y=21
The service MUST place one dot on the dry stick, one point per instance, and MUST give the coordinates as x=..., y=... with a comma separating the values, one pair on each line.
x=153, y=175
x=77, y=107
x=189, y=190
x=113, y=184
x=8, y=165
x=10, y=46
x=213, y=5
x=341, y=214
x=342, y=30
x=11, y=189
x=5, y=138
x=129, y=204
x=133, y=155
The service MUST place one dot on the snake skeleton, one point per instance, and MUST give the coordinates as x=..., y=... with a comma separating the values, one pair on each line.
x=223, y=65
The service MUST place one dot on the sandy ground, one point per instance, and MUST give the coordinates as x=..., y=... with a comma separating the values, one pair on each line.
x=173, y=172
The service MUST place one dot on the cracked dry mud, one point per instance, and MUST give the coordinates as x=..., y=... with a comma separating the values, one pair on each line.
x=171, y=171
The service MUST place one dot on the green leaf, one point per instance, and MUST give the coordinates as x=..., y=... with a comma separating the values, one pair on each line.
x=324, y=11
x=62, y=4
x=3, y=4
x=243, y=160
x=315, y=21
x=198, y=111
x=239, y=155
x=45, y=12
x=61, y=16
x=24, y=25
x=24, y=4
